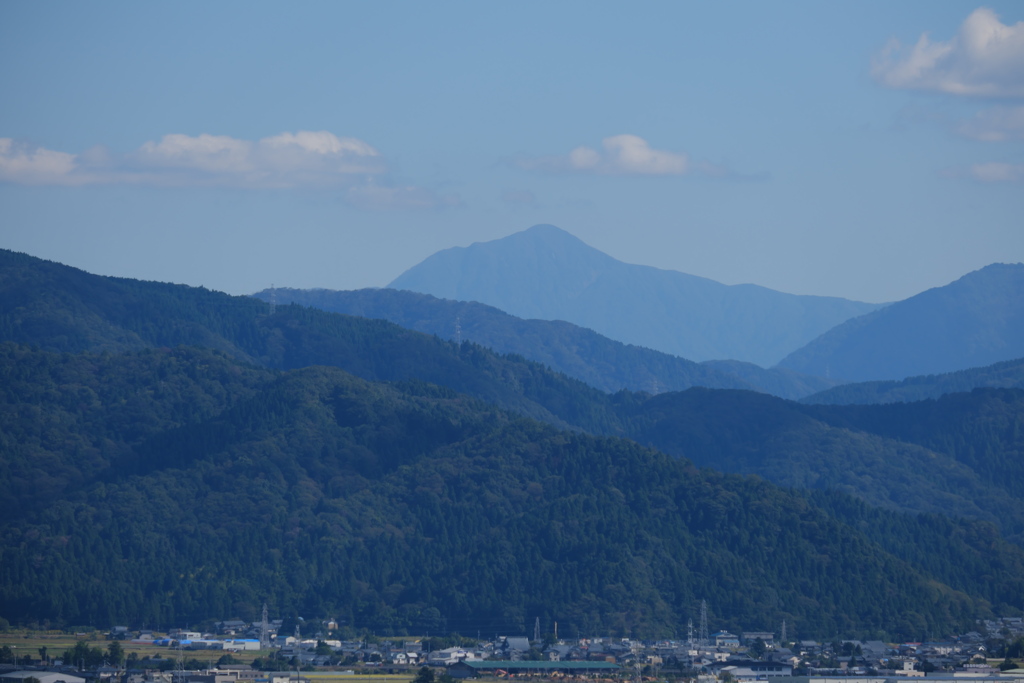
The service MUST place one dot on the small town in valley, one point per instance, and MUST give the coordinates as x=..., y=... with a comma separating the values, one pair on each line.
x=236, y=651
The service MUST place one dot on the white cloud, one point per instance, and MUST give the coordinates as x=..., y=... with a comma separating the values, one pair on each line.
x=620, y=155
x=21, y=163
x=997, y=172
x=984, y=59
x=290, y=160
x=300, y=159
x=998, y=124
x=286, y=160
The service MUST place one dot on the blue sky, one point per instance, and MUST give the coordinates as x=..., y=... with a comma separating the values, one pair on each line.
x=861, y=149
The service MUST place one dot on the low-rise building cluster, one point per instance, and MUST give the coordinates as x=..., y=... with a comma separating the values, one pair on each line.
x=722, y=656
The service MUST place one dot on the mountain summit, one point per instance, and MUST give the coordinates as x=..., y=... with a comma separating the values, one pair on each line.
x=547, y=273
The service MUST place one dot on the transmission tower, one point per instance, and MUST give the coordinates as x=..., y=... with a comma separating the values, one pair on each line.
x=264, y=630
x=689, y=633
x=783, y=638
x=179, y=664
x=273, y=299
x=536, y=630
x=702, y=636
x=458, y=330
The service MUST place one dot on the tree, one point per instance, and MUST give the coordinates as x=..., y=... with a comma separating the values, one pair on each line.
x=83, y=656
x=115, y=652
x=424, y=675
x=758, y=648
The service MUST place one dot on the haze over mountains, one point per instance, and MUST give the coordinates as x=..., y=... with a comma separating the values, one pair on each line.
x=545, y=272
x=580, y=353
x=975, y=321
x=1003, y=375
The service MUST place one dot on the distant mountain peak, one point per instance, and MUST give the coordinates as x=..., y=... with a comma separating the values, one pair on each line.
x=546, y=229
x=547, y=273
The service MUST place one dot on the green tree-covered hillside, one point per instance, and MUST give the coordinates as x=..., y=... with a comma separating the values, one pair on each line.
x=323, y=493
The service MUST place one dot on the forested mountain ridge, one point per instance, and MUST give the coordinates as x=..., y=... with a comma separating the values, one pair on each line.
x=61, y=308
x=1007, y=374
x=397, y=506
x=411, y=474
x=546, y=273
x=962, y=455
x=972, y=322
x=576, y=351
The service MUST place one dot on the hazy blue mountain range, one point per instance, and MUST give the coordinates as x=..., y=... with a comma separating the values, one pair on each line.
x=570, y=349
x=546, y=273
x=972, y=322
x=1008, y=374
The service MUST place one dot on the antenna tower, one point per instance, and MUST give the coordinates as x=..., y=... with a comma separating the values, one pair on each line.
x=702, y=636
x=264, y=630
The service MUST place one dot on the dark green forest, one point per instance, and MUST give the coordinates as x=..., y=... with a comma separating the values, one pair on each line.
x=170, y=454
x=960, y=455
x=394, y=506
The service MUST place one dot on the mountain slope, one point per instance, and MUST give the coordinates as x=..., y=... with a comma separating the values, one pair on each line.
x=959, y=456
x=575, y=351
x=1008, y=374
x=724, y=429
x=59, y=308
x=975, y=321
x=395, y=507
x=547, y=273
